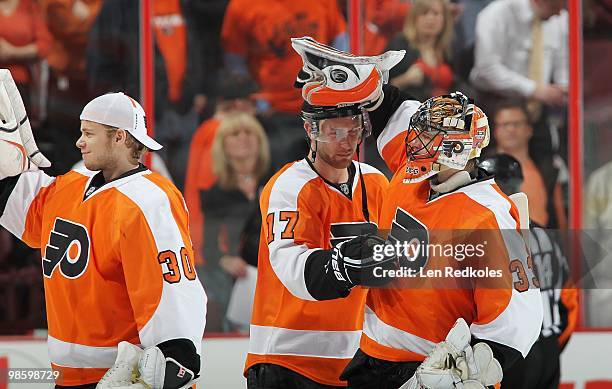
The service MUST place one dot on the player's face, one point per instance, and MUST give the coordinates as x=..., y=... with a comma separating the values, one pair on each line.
x=95, y=145
x=421, y=143
x=512, y=130
x=343, y=135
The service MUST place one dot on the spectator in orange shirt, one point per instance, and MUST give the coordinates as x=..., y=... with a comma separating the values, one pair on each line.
x=382, y=20
x=512, y=131
x=256, y=40
x=69, y=22
x=387, y=15
x=24, y=39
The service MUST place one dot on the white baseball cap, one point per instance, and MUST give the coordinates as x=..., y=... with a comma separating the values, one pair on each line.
x=121, y=111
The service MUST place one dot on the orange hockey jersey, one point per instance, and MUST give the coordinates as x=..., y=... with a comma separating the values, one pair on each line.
x=261, y=32
x=117, y=265
x=301, y=215
x=404, y=322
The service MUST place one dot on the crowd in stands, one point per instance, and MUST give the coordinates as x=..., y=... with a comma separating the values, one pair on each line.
x=227, y=112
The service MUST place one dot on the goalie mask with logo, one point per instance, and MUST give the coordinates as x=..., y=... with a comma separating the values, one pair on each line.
x=445, y=133
x=330, y=77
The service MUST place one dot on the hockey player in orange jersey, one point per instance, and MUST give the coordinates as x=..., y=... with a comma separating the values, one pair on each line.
x=117, y=259
x=431, y=148
x=320, y=216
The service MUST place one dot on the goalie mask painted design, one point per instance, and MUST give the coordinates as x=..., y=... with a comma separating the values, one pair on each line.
x=446, y=131
x=330, y=77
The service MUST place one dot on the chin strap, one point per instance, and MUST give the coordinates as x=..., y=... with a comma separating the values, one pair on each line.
x=314, y=151
x=364, y=194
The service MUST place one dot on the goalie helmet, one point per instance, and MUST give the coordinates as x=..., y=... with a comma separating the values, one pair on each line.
x=445, y=132
x=330, y=77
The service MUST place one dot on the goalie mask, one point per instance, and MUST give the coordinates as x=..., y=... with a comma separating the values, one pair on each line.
x=354, y=126
x=330, y=77
x=445, y=132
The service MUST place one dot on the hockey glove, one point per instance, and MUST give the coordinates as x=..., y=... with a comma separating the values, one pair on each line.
x=136, y=368
x=453, y=363
x=330, y=77
x=359, y=261
x=18, y=151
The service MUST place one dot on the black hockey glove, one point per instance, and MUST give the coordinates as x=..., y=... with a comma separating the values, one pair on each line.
x=360, y=261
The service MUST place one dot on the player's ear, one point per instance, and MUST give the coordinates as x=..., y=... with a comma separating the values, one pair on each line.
x=120, y=135
x=307, y=127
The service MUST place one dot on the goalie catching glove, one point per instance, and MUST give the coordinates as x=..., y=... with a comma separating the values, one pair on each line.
x=136, y=368
x=18, y=150
x=453, y=364
x=330, y=77
x=353, y=262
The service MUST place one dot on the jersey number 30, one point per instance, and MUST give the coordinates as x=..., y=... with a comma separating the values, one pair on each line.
x=172, y=273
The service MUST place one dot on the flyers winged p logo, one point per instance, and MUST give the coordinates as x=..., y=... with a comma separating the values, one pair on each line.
x=67, y=249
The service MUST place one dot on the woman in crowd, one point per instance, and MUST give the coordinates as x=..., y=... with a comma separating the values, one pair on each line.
x=425, y=71
x=241, y=161
x=24, y=41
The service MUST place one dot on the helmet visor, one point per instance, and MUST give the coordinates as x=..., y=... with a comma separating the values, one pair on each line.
x=349, y=128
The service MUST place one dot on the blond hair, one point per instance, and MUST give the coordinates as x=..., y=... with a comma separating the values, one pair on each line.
x=221, y=164
x=418, y=8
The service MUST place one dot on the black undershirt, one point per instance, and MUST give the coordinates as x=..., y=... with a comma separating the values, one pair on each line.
x=7, y=186
x=99, y=181
x=346, y=188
